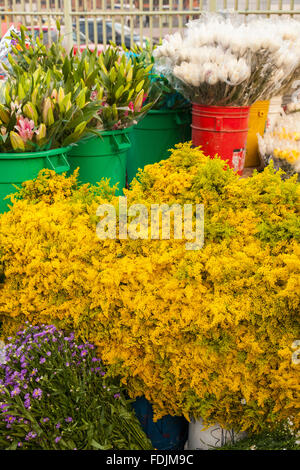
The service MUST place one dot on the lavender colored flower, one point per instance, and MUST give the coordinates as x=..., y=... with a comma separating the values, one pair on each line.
x=37, y=393
x=27, y=404
x=10, y=419
x=15, y=391
x=117, y=395
x=23, y=358
x=58, y=425
x=30, y=435
x=57, y=439
x=69, y=419
x=42, y=360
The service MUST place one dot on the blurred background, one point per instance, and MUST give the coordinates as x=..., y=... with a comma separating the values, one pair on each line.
x=96, y=22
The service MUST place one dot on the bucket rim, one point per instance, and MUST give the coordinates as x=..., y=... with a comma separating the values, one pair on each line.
x=169, y=111
x=29, y=155
x=100, y=132
x=221, y=107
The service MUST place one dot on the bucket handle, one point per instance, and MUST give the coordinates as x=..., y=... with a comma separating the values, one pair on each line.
x=61, y=168
x=122, y=145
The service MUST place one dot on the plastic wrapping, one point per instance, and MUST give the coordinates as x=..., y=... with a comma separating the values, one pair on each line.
x=5, y=48
x=169, y=98
x=221, y=61
x=282, y=145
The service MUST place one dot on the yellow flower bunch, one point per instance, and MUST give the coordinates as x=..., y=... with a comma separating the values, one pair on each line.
x=290, y=155
x=283, y=133
x=204, y=333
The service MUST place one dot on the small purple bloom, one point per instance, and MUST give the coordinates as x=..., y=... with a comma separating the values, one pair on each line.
x=42, y=360
x=27, y=404
x=57, y=439
x=117, y=395
x=69, y=419
x=37, y=393
x=10, y=418
x=15, y=391
x=30, y=435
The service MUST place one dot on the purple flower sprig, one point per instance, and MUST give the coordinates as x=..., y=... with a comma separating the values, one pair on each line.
x=47, y=386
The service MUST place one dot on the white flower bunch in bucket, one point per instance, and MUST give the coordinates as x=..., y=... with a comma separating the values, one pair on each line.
x=222, y=61
x=282, y=145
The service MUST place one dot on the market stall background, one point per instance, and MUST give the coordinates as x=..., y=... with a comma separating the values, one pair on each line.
x=129, y=21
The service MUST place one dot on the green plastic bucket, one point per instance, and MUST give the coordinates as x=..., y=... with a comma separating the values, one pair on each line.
x=102, y=156
x=15, y=168
x=154, y=135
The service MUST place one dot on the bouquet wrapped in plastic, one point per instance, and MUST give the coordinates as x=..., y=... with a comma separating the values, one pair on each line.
x=223, y=61
x=282, y=145
x=169, y=97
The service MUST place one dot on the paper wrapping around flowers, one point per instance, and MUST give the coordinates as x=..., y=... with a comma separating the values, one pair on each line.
x=221, y=61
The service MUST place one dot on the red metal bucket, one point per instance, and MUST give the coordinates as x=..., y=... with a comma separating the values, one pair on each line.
x=222, y=131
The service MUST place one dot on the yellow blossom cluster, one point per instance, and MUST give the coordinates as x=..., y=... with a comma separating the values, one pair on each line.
x=205, y=333
x=282, y=144
x=290, y=155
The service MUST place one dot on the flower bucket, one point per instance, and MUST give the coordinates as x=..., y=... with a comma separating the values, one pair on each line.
x=168, y=433
x=275, y=112
x=257, y=123
x=154, y=135
x=15, y=168
x=102, y=156
x=202, y=438
x=222, y=131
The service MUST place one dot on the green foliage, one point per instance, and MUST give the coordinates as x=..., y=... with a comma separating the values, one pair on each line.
x=39, y=113
x=55, y=394
x=118, y=84
x=30, y=52
x=282, y=438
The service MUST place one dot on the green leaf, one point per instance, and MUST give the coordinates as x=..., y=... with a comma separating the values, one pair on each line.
x=139, y=86
x=98, y=446
x=119, y=92
x=80, y=100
